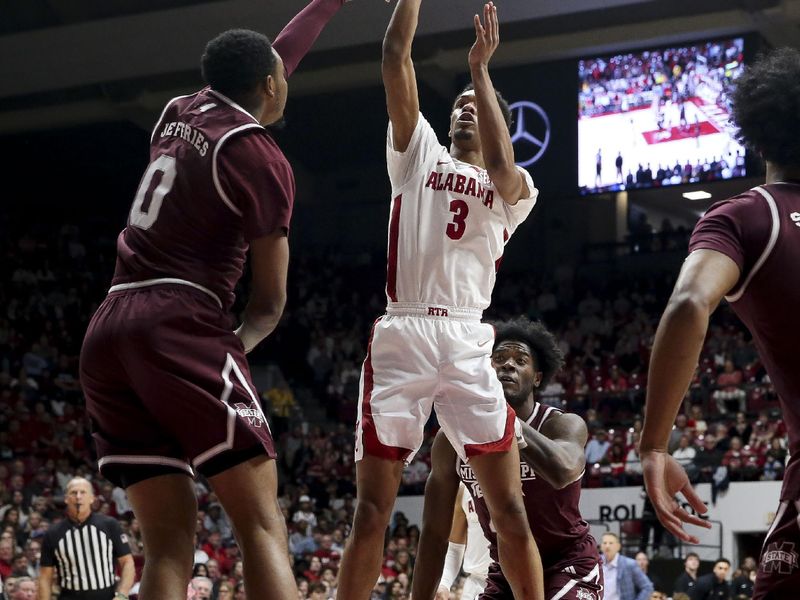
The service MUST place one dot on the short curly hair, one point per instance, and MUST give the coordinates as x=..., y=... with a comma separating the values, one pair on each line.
x=504, y=107
x=766, y=106
x=235, y=61
x=548, y=356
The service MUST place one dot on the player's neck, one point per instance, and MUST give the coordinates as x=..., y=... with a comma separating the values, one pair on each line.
x=776, y=173
x=472, y=157
x=525, y=410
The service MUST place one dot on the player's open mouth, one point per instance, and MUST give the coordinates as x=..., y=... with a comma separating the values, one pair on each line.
x=466, y=118
x=506, y=379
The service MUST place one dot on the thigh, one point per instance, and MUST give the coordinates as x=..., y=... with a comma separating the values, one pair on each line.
x=471, y=408
x=189, y=373
x=122, y=426
x=166, y=508
x=249, y=493
x=778, y=576
x=398, y=382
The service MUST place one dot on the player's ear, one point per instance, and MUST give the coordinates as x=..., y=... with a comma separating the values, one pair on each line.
x=270, y=85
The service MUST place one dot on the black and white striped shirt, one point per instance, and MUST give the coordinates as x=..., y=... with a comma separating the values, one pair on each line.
x=85, y=555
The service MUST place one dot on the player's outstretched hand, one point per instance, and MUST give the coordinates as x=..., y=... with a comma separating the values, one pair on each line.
x=442, y=594
x=663, y=478
x=487, y=37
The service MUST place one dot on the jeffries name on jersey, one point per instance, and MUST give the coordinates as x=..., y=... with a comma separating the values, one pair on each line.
x=185, y=131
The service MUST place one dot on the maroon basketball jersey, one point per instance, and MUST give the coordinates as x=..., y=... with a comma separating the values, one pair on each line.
x=760, y=232
x=216, y=181
x=555, y=519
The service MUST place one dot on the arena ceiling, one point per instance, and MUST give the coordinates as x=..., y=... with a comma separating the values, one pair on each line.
x=70, y=62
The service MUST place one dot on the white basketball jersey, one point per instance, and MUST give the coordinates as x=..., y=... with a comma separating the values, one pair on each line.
x=448, y=225
x=476, y=555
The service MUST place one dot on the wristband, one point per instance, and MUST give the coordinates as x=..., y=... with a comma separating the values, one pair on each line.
x=521, y=443
x=452, y=564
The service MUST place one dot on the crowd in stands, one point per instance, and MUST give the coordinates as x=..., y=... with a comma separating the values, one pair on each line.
x=624, y=82
x=52, y=279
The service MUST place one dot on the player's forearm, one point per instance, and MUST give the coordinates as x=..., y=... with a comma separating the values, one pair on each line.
x=45, y=588
x=297, y=38
x=260, y=319
x=677, y=346
x=400, y=32
x=429, y=564
x=558, y=463
x=127, y=577
x=498, y=152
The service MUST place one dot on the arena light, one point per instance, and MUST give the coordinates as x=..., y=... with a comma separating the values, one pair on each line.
x=698, y=195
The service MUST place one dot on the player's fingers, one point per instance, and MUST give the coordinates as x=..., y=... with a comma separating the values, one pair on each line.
x=691, y=519
x=693, y=499
x=496, y=25
x=478, y=26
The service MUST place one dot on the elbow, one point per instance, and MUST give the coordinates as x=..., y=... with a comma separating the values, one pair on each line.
x=270, y=308
x=395, y=54
x=688, y=304
x=568, y=472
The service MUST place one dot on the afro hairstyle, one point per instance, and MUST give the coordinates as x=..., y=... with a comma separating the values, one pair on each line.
x=548, y=356
x=766, y=106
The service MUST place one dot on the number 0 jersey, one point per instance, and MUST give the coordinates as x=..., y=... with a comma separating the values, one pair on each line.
x=216, y=181
x=448, y=225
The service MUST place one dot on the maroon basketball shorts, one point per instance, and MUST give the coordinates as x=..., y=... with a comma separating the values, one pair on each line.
x=778, y=576
x=168, y=388
x=581, y=580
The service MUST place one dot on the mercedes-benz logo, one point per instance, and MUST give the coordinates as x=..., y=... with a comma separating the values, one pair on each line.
x=532, y=132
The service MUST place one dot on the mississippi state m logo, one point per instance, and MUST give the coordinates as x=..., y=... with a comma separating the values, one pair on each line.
x=585, y=594
x=780, y=559
x=251, y=412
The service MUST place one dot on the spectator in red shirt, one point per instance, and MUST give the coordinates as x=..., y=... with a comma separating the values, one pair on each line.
x=730, y=389
x=740, y=461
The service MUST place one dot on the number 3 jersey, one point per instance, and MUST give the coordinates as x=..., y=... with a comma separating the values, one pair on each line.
x=216, y=181
x=448, y=225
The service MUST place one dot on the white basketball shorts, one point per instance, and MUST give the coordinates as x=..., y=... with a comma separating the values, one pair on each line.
x=420, y=357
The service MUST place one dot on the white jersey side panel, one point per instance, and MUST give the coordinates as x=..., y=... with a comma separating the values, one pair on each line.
x=448, y=225
x=476, y=555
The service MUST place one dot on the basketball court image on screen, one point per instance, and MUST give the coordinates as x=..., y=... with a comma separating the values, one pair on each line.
x=660, y=117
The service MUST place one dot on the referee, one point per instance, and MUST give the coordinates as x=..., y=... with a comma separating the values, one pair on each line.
x=84, y=548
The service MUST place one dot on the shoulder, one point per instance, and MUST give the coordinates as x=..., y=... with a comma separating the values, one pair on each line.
x=565, y=425
x=104, y=521
x=253, y=144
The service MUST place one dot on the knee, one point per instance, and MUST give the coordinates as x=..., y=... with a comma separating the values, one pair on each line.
x=510, y=518
x=372, y=515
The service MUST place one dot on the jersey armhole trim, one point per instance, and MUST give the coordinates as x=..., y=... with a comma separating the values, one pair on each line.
x=773, y=239
x=215, y=169
x=163, y=112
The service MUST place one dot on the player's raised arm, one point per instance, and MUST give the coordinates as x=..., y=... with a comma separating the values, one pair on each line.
x=706, y=276
x=441, y=491
x=296, y=39
x=498, y=152
x=556, y=453
x=397, y=68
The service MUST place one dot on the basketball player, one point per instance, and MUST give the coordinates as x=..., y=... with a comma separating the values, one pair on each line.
x=525, y=357
x=746, y=250
x=167, y=384
x=451, y=215
x=468, y=549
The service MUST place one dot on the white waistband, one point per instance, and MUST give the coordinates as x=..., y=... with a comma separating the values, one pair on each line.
x=419, y=309
x=161, y=281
